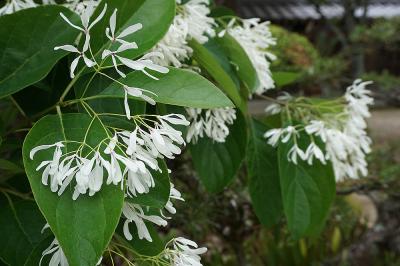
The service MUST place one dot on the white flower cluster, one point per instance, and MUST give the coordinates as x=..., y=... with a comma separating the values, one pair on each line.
x=191, y=21
x=276, y=107
x=58, y=258
x=12, y=6
x=255, y=38
x=134, y=213
x=212, y=123
x=136, y=151
x=345, y=138
x=184, y=252
x=78, y=6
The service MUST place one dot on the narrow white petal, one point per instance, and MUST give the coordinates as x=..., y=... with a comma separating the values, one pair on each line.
x=127, y=234
x=126, y=105
x=70, y=23
x=99, y=17
x=131, y=29
x=39, y=148
x=68, y=48
x=113, y=22
x=74, y=64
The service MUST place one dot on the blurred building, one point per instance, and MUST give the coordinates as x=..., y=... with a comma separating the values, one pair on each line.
x=304, y=9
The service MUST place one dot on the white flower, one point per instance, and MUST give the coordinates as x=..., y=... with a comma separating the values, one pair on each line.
x=12, y=6
x=256, y=38
x=89, y=176
x=185, y=252
x=294, y=152
x=134, y=213
x=199, y=25
x=135, y=92
x=140, y=64
x=213, y=123
x=276, y=108
x=174, y=45
x=314, y=151
x=273, y=136
x=290, y=132
x=85, y=19
x=79, y=6
x=317, y=128
x=74, y=64
x=190, y=22
x=110, y=31
x=273, y=108
x=58, y=258
x=283, y=134
x=173, y=194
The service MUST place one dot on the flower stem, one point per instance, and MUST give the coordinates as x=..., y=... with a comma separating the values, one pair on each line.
x=18, y=107
x=70, y=85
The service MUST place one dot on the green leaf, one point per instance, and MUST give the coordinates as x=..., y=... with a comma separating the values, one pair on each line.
x=218, y=163
x=239, y=58
x=283, y=78
x=264, y=186
x=155, y=16
x=307, y=190
x=27, y=41
x=83, y=227
x=92, y=84
x=177, y=87
x=208, y=61
x=158, y=196
x=20, y=229
x=217, y=51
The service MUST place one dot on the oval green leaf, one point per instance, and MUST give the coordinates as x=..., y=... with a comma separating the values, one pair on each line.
x=208, y=61
x=264, y=186
x=307, y=191
x=177, y=87
x=241, y=61
x=83, y=227
x=218, y=163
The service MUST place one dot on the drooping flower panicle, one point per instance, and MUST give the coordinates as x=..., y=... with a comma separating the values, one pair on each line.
x=344, y=135
x=129, y=156
x=255, y=38
x=213, y=123
x=184, y=252
x=190, y=22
